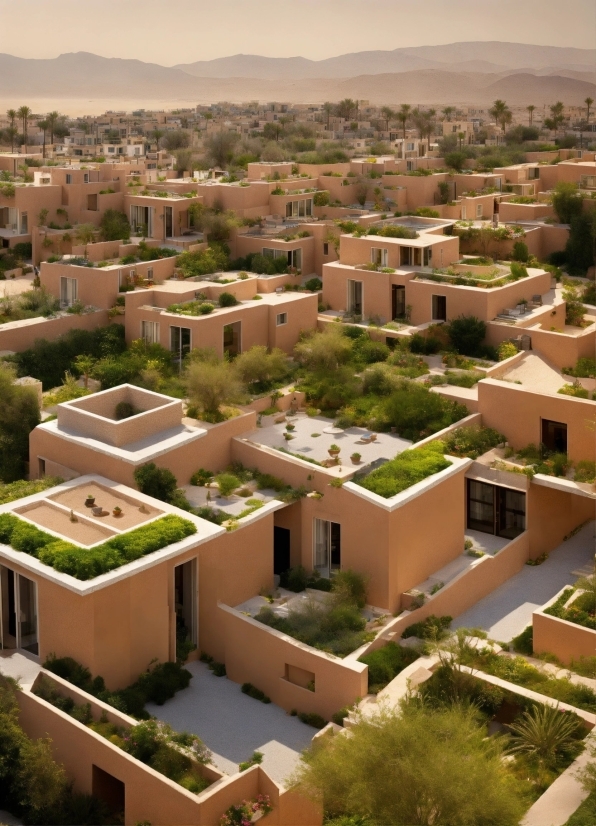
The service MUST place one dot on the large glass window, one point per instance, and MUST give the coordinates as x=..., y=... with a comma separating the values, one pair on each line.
x=150, y=332
x=68, y=291
x=355, y=297
x=180, y=341
x=378, y=256
x=326, y=546
x=18, y=611
x=496, y=510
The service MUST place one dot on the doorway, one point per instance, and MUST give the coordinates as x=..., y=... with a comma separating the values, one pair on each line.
x=185, y=601
x=439, y=308
x=169, y=222
x=554, y=436
x=354, y=297
x=398, y=301
x=110, y=790
x=327, y=547
x=232, y=339
x=281, y=550
x=18, y=611
x=495, y=510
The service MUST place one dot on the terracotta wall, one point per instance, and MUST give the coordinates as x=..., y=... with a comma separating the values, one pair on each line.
x=566, y=640
x=553, y=514
x=274, y=663
x=20, y=335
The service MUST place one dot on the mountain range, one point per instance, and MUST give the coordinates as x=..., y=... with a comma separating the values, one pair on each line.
x=457, y=73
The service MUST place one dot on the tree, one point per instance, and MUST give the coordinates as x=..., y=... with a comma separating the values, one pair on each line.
x=12, y=130
x=388, y=115
x=588, y=102
x=183, y=159
x=19, y=414
x=448, y=111
x=345, y=108
x=272, y=130
x=52, y=119
x=24, y=113
x=581, y=244
x=85, y=234
x=467, y=334
x=416, y=765
x=259, y=369
x=557, y=117
x=44, y=125
x=158, y=482
x=157, y=135
x=567, y=201
x=546, y=733
x=211, y=383
x=114, y=226
x=455, y=160
x=84, y=364
x=176, y=139
x=403, y=116
x=501, y=113
x=328, y=109
x=219, y=148
x=324, y=351
x=530, y=110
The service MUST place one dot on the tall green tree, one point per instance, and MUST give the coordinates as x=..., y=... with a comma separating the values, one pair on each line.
x=19, y=414
x=530, y=110
x=403, y=116
x=501, y=113
x=24, y=113
x=588, y=101
x=414, y=765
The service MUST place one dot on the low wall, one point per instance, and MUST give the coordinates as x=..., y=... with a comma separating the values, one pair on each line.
x=282, y=667
x=283, y=404
x=566, y=640
x=20, y=335
x=464, y=591
x=150, y=796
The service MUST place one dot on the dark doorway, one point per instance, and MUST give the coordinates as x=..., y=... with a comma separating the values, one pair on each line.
x=169, y=222
x=496, y=510
x=109, y=789
x=511, y=513
x=398, y=301
x=281, y=550
x=554, y=436
x=439, y=308
x=231, y=339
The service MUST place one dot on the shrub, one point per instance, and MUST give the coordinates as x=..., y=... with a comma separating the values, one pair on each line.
x=227, y=300
x=520, y=252
x=425, y=345
x=227, y=483
x=124, y=410
x=201, y=477
x=295, y=579
x=506, y=350
x=432, y=628
x=467, y=334
x=472, y=441
x=567, y=201
x=311, y=719
x=156, y=481
x=518, y=271
x=385, y=664
x=255, y=693
x=314, y=285
x=415, y=412
x=524, y=642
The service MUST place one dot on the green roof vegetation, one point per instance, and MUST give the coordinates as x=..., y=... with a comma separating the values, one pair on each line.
x=87, y=563
x=405, y=470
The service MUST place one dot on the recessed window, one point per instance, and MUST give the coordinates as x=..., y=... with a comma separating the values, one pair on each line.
x=325, y=249
x=150, y=332
x=378, y=256
x=439, y=308
x=282, y=318
x=68, y=178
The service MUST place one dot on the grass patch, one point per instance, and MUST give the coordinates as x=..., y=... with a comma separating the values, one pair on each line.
x=432, y=628
x=21, y=488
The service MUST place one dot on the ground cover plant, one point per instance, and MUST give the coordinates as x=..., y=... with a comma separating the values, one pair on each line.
x=87, y=563
x=472, y=441
x=385, y=664
x=334, y=624
x=405, y=470
x=582, y=611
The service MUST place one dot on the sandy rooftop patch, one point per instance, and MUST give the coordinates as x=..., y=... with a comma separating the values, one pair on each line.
x=47, y=515
x=108, y=499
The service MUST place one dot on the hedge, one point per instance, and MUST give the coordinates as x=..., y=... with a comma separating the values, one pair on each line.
x=87, y=563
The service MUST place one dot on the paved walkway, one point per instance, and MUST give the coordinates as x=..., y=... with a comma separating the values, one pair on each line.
x=19, y=665
x=507, y=611
x=234, y=725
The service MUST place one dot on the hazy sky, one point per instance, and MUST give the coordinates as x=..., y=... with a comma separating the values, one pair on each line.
x=182, y=31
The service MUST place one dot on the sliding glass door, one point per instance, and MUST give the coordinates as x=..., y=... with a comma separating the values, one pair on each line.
x=327, y=547
x=18, y=611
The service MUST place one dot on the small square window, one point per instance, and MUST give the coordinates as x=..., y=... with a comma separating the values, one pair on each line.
x=282, y=318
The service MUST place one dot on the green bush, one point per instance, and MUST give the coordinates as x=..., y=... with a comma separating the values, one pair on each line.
x=314, y=285
x=506, y=350
x=255, y=693
x=295, y=579
x=472, y=441
x=405, y=470
x=518, y=271
x=415, y=412
x=385, y=664
x=124, y=410
x=311, y=719
x=227, y=300
x=424, y=345
x=201, y=477
x=227, y=483
x=520, y=252
x=156, y=481
x=432, y=628
x=524, y=642
x=21, y=488
x=467, y=334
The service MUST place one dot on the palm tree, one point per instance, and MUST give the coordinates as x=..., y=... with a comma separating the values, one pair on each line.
x=346, y=107
x=530, y=110
x=328, y=109
x=85, y=234
x=557, y=117
x=588, y=102
x=403, y=116
x=12, y=116
x=501, y=113
x=24, y=113
x=388, y=114
x=52, y=120
x=546, y=733
x=45, y=125
x=448, y=111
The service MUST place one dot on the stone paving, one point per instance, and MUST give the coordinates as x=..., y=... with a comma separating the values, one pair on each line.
x=234, y=725
x=507, y=611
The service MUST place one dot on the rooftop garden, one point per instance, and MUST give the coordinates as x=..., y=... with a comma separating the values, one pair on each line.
x=333, y=623
x=577, y=605
x=534, y=459
x=87, y=563
x=497, y=275
x=203, y=306
x=13, y=258
x=30, y=304
x=407, y=469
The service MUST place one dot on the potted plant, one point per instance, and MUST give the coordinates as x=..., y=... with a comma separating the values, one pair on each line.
x=334, y=451
x=89, y=500
x=355, y=457
x=288, y=436
x=290, y=427
x=117, y=511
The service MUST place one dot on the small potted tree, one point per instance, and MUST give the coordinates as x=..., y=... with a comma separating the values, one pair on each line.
x=117, y=511
x=334, y=451
x=355, y=457
x=89, y=500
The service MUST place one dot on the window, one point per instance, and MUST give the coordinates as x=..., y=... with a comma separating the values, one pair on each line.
x=533, y=173
x=141, y=220
x=186, y=600
x=180, y=341
x=68, y=291
x=24, y=223
x=405, y=256
x=355, y=297
x=325, y=249
x=150, y=332
x=295, y=258
x=554, y=436
x=479, y=209
x=232, y=339
x=378, y=256
x=587, y=182
x=299, y=209
x=68, y=178
x=428, y=254
x=282, y=318
x=18, y=611
x=410, y=147
x=86, y=178
x=326, y=546
x=149, y=273
x=410, y=166
x=439, y=308
x=496, y=510
x=92, y=203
